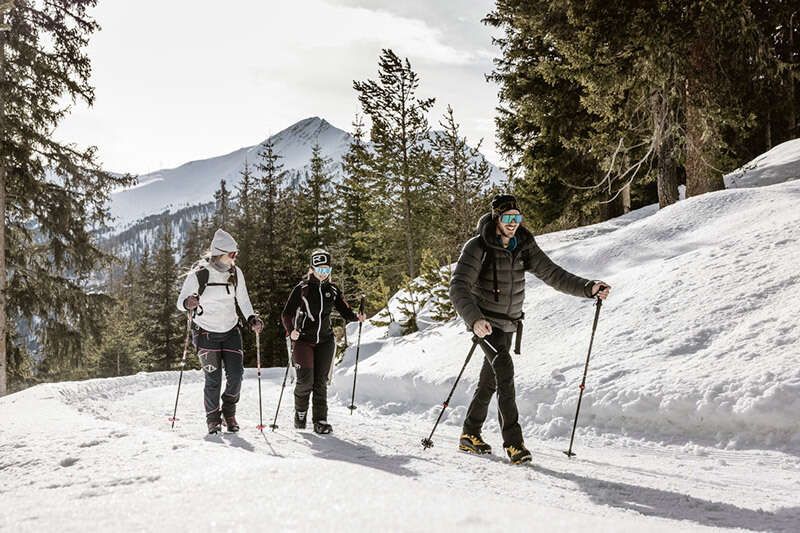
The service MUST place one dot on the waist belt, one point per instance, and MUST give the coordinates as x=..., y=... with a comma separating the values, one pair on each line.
x=517, y=321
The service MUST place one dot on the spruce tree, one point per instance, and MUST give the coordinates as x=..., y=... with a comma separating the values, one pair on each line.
x=403, y=166
x=162, y=330
x=316, y=203
x=52, y=194
x=223, y=214
x=461, y=187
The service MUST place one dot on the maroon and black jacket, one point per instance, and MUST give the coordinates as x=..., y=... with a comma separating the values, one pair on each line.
x=308, y=309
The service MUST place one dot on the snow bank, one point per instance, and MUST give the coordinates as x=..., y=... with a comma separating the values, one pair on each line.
x=700, y=340
x=780, y=164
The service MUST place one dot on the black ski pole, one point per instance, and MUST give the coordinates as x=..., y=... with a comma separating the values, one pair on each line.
x=598, y=304
x=274, y=424
x=260, y=425
x=183, y=364
x=428, y=443
x=358, y=349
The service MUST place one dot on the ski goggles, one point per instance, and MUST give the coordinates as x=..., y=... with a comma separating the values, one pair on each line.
x=323, y=270
x=232, y=255
x=511, y=219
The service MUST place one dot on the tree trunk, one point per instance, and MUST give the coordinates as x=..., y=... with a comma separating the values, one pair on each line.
x=700, y=174
x=664, y=151
x=3, y=353
x=626, y=199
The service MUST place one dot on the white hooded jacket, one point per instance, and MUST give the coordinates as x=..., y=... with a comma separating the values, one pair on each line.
x=217, y=301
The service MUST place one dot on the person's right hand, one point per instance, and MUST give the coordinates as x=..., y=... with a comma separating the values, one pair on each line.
x=482, y=328
x=294, y=335
x=191, y=302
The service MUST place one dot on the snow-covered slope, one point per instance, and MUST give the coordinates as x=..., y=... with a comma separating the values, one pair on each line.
x=195, y=182
x=689, y=421
x=699, y=343
x=780, y=164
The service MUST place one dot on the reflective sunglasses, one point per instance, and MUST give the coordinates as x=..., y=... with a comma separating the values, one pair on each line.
x=509, y=219
x=322, y=270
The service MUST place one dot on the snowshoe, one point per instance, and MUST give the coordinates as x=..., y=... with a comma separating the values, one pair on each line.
x=518, y=454
x=322, y=427
x=473, y=444
x=300, y=419
x=231, y=423
x=214, y=427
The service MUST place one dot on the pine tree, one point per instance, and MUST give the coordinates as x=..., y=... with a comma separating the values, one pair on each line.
x=246, y=220
x=163, y=323
x=435, y=282
x=223, y=213
x=52, y=194
x=462, y=183
x=316, y=208
x=403, y=165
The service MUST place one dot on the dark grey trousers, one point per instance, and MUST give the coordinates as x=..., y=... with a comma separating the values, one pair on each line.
x=497, y=374
x=216, y=350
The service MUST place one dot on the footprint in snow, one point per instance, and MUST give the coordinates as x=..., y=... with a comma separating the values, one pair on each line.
x=69, y=461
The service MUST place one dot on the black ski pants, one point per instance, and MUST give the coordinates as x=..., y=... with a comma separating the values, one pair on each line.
x=497, y=374
x=313, y=363
x=216, y=350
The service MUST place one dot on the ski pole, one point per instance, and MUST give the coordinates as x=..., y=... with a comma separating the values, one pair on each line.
x=428, y=443
x=358, y=349
x=260, y=425
x=274, y=424
x=598, y=304
x=183, y=364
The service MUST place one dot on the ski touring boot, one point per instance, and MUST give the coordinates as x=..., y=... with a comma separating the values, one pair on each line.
x=473, y=444
x=322, y=427
x=214, y=426
x=300, y=419
x=231, y=423
x=518, y=454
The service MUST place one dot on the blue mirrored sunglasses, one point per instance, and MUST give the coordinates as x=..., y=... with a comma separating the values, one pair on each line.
x=322, y=270
x=508, y=219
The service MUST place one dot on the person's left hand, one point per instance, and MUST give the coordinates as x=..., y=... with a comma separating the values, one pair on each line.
x=361, y=317
x=598, y=293
x=256, y=324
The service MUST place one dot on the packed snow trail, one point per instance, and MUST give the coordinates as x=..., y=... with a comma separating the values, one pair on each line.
x=99, y=455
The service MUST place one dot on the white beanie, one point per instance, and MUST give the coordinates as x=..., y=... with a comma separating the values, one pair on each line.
x=223, y=243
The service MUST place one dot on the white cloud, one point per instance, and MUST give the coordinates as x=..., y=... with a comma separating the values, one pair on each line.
x=183, y=80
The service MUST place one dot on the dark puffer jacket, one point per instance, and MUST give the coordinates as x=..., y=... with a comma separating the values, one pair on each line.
x=475, y=293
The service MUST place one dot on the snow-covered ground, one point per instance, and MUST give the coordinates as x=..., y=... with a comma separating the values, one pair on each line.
x=689, y=421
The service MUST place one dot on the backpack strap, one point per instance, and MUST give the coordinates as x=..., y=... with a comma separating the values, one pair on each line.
x=488, y=253
x=202, y=281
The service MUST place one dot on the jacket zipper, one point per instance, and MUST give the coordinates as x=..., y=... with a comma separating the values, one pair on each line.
x=319, y=321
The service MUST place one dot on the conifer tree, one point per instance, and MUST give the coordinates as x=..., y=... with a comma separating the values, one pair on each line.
x=163, y=321
x=461, y=185
x=403, y=166
x=223, y=214
x=52, y=194
x=315, y=226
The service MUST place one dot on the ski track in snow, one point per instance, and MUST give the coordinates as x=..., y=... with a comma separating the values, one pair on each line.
x=105, y=449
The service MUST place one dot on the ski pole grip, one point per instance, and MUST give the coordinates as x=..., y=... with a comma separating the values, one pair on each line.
x=361, y=305
x=600, y=289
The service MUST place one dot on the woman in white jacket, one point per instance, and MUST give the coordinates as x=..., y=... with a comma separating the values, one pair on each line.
x=212, y=291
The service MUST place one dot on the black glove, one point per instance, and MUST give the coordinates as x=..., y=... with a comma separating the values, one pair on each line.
x=191, y=302
x=255, y=323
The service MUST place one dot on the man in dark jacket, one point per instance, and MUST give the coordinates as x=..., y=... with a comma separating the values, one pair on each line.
x=487, y=290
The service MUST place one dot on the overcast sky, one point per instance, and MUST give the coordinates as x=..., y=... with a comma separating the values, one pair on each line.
x=180, y=80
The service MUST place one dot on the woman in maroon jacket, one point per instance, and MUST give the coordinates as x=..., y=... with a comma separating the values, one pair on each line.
x=307, y=320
